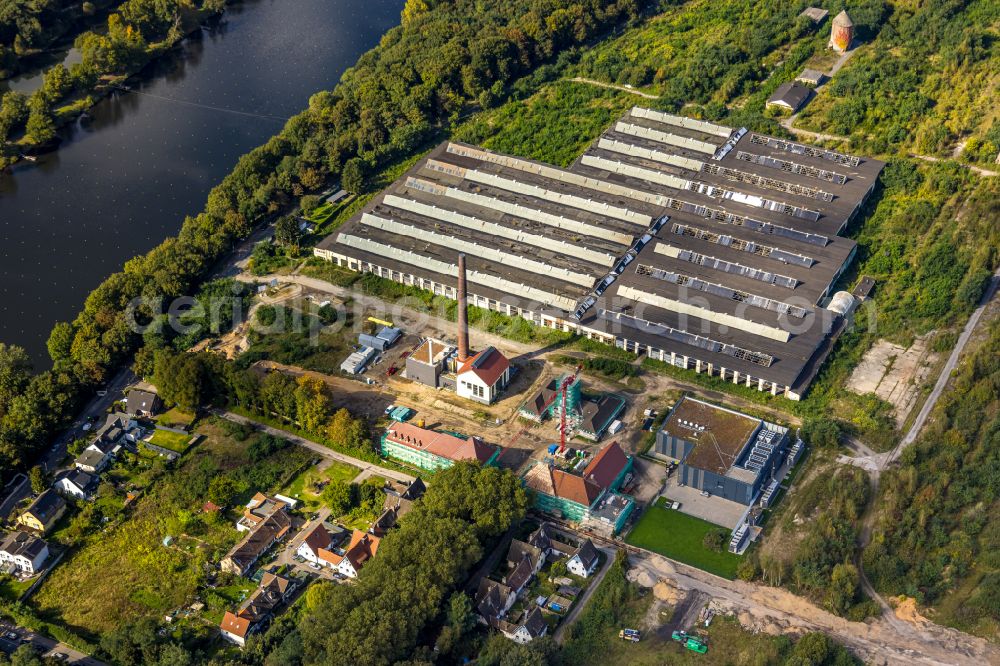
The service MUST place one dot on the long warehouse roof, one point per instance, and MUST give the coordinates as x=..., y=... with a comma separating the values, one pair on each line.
x=682, y=235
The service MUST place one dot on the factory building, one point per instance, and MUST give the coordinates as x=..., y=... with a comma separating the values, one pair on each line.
x=703, y=246
x=722, y=452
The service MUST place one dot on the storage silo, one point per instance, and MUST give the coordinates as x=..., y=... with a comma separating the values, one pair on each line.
x=842, y=32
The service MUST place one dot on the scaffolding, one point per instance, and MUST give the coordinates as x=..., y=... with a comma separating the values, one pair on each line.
x=573, y=402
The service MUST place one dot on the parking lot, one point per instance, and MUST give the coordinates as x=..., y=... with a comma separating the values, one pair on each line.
x=722, y=512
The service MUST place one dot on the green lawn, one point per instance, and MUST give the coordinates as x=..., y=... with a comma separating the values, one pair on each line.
x=175, y=418
x=679, y=536
x=175, y=441
x=11, y=589
x=302, y=487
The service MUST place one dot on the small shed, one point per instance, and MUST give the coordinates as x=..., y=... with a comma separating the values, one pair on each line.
x=815, y=14
x=791, y=96
x=811, y=77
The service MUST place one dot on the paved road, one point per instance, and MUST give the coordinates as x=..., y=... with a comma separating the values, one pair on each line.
x=316, y=448
x=949, y=366
x=45, y=646
x=581, y=603
x=16, y=490
x=96, y=407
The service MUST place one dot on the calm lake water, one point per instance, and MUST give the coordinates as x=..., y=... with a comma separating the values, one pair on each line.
x=124, y=179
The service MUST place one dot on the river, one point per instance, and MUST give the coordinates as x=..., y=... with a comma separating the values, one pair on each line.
x=124, y=179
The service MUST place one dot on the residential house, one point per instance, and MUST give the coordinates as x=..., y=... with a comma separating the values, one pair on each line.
x=258, y=509
x=23, y=552
x=362, y=548
x=43, y=512
x=584, y=561
x=531, y=627
x=142, y=403
x=597, y=415
x=92, y=462
x=322, y=537
x=493, y=600
x=257, y=609
x=520, y=550
x=434, y=450
x=399, y=498
x=577, y=496
x=520, y=576
x=76, y=483
x=483, y=376
x=245, y=554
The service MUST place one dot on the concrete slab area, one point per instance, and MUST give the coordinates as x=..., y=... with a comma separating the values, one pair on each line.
x=894, y=373
x=716, y=510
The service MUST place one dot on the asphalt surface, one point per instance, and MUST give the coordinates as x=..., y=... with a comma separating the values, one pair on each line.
x=97, y=406
x=945, y=375
x=43, y=645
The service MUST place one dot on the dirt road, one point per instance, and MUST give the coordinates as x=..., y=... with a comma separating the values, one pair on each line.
x=774, y=610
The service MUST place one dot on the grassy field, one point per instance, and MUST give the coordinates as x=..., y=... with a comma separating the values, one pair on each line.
x=175, y=418
x=124, y=573
x=679, y=536
x=304, y=486
x=175, y=441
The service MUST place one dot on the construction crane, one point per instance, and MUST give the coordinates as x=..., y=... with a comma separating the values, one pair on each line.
x=560, y=394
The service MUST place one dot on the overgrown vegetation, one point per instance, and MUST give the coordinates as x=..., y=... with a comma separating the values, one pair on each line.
x=812, y=545
x=123, y=571
x=937, y=533
x=927, y=81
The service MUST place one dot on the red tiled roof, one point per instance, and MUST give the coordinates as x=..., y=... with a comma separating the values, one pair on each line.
x=575, y=488
x=318, y=538
x=489, y=365
x=606, y=465
x=439, y=443
x=362, y=548
x=329, y=556
x=234, y=624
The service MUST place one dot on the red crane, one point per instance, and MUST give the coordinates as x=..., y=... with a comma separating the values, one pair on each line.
x=561, y=395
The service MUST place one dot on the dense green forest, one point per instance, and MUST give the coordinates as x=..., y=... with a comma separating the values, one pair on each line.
x=937, y=531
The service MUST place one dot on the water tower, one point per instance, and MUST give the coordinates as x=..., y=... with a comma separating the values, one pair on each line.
x=842, y=32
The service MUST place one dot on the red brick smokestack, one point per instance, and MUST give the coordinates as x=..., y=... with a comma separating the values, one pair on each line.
x=463, y=318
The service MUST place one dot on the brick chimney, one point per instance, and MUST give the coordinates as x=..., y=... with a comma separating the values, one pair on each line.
x=463, y=319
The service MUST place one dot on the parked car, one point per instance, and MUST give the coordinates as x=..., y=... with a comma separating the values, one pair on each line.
x=705, y=493
x=675, y=506
x=388, y=410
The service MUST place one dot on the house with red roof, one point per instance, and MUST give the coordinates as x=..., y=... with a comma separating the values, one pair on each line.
x=433, y=450
x=348, y=562
x=581, y=497
x=483, y=376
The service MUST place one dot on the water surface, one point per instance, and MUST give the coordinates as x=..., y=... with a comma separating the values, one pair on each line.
x=124, y=179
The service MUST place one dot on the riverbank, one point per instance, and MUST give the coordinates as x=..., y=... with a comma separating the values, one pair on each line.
x=72, y=107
